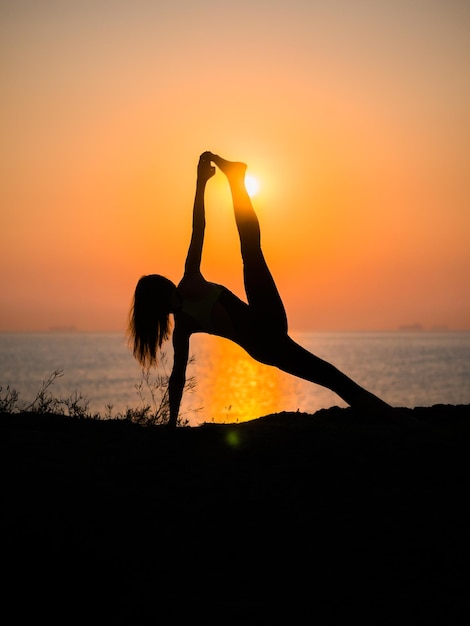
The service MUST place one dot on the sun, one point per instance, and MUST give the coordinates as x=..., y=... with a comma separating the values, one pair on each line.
x=252, y=185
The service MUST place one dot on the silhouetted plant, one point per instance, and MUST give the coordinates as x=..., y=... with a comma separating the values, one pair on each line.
x=8, y=400
x=152, y=390
x=44, y=402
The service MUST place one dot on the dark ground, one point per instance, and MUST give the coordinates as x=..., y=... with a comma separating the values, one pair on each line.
x=289, y=519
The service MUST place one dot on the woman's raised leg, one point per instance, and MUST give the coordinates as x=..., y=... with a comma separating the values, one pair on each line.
x=261, y=291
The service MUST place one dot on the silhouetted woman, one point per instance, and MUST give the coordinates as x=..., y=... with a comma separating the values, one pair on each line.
x=199, y=306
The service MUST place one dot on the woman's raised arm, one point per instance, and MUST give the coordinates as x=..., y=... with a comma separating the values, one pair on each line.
x=193, y=259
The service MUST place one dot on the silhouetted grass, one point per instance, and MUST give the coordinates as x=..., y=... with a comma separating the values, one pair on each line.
x=152, y=391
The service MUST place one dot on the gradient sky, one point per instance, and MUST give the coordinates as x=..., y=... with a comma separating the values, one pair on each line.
x=353, y=114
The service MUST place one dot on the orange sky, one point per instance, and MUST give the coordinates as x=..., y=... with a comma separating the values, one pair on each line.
x=353, y=114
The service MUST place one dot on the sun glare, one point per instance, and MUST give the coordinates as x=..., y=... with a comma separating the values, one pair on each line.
x=252, y=185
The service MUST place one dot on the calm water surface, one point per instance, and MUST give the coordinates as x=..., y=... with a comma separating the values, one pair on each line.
x=405, y=369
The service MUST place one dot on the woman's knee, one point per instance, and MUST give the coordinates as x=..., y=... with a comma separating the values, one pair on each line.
x=269, y=347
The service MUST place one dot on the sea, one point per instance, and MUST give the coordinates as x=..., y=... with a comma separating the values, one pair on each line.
x=224, y=385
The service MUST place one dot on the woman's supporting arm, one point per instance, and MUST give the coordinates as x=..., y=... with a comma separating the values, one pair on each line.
x=177, y=378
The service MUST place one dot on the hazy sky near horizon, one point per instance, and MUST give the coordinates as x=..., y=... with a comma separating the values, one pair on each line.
x=354, y=115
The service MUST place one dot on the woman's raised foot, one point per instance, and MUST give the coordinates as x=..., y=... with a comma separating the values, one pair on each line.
x=229, y=168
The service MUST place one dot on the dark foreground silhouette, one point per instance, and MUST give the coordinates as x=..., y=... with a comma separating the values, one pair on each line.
x=328, y=518
x=259, y=325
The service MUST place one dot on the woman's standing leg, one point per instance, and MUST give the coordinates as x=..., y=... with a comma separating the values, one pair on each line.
x=261, y=291
x=296, y=360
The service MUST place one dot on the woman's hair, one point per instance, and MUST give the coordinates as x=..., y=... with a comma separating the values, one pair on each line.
x=149, y=317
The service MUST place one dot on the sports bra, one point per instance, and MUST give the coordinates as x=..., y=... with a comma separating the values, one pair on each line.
x=201, y=310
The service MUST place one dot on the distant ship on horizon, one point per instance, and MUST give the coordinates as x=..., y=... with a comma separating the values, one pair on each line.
x=417, y=327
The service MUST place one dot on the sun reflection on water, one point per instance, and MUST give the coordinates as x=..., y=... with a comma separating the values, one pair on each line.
x=231, y=386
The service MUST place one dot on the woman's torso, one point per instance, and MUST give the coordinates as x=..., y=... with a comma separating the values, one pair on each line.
x=222, y=313
x=212, y=308
x=201, y=309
